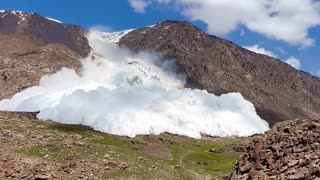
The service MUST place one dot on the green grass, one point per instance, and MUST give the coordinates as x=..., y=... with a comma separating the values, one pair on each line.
x=35, y=151
x=215, y=164
x=187, y=155
x=195, y=156
x=116, y=175
x=72, y=129
x=114, y=141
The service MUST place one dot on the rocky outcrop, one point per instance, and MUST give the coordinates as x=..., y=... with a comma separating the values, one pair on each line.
x=278, y=91
x=290, y=150
x=32, y=46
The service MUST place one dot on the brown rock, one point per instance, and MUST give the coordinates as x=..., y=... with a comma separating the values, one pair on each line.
x=274, y=154
x=41, y=177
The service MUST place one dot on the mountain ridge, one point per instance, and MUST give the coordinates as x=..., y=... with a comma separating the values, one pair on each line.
x=220, y=66
x=209, y=62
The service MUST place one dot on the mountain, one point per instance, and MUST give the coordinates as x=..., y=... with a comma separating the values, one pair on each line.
x=278, y=91
x=32, y=46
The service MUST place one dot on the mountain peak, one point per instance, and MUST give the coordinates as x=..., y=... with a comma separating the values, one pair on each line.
x=45, y=30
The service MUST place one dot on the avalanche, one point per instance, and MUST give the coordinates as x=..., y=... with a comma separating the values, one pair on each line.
x=124, y=93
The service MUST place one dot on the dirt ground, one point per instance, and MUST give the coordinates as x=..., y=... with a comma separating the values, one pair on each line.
x=32, y=149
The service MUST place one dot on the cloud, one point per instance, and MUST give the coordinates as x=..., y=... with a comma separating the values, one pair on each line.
x=280, y=50
x=163, y=1
x=101, y=28
x=139, y=6
x=256, y=48
x=284, y=20
x=318, y=73
x=242, y=32
x=294, y=62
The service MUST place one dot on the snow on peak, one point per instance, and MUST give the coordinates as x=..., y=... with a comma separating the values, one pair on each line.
x=51, y=19
x=19, y=14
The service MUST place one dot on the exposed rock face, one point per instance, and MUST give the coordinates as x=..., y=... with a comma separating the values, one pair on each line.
x=32, y=46
x=290, y=150
x=278, y=91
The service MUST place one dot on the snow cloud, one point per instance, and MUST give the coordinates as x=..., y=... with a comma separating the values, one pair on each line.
x=124, y=93
x=284, y=20
x=256, y=48
x=294, y=62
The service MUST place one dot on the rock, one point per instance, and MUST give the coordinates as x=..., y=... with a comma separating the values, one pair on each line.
x=239, y=149
x=297, y=176
x=106, y=156
x=293, y=162
x=216, y=150
x=41, y=177
x=282, y=154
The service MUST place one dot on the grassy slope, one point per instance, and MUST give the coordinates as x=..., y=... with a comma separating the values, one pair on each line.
x=144, y=157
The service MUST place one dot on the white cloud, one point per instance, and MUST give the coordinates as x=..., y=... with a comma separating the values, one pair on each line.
x=163, y=1
x=318, y=73
x=256, y=48
x=139, y=6
x=294, y=62
x=242, y=32
x=280, y=50
x=284, y=20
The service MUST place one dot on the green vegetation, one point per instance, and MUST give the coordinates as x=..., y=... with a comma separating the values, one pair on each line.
x=35, y=151
x=146, y=157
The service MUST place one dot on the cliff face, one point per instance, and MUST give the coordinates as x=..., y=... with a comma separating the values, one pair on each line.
x=32, y=46
x=278, y=91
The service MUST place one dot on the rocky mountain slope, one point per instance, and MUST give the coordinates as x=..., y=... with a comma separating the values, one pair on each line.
x=32, y=46
x=278, y=91
x=291, y=150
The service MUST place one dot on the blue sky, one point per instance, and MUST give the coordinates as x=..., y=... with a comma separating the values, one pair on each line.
x=285, y=29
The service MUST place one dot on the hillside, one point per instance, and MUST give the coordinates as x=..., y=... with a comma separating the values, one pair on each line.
x=32, y=46
x=278, y=91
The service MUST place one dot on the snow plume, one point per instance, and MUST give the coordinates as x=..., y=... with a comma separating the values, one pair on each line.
x=124, y=93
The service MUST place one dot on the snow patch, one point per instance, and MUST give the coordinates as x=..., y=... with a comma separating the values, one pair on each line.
x=19, y=14
x=51, y=19
x=113, y=37
x=124, y=93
